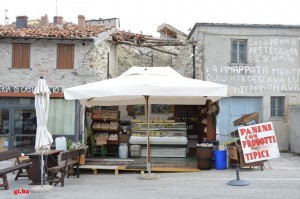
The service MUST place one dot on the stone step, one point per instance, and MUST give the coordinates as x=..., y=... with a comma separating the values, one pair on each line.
x=140, y=162
x=108, y=161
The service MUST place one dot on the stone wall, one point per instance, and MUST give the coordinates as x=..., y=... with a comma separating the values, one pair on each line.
x=136, y=56
x=91, y=62
x=43, y=63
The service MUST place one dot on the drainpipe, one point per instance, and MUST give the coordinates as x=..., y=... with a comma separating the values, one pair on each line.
x=152, y=60
x=194, y=63
x=107, y=75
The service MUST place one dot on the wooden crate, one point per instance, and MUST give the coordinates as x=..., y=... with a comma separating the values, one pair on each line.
x=244, y=164
x=100, y=141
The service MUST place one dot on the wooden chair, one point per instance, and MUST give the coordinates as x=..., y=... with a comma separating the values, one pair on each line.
x=69, y=159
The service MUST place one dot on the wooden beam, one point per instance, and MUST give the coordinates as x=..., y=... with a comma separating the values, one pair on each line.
x=147, y=44
x=164, y=51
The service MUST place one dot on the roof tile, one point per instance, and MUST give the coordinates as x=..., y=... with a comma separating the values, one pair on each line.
x=52, y=31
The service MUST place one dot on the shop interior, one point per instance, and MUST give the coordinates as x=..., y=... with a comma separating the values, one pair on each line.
x=174, y=130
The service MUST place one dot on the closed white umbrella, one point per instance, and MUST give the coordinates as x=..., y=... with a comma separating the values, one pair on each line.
x=148, y=85
x=43, y=138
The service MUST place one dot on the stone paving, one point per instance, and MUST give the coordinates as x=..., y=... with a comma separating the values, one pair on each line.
x=279, y=180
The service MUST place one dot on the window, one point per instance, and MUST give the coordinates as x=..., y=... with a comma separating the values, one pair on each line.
x=277, y=106
x=65, y=56
x=238, y=51
x=61, y=117
x=21, y=56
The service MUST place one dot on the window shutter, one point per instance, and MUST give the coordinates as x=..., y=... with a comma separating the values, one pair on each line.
x=25, y=56
x=21, y=56
x=16, y=56
x=65, y=56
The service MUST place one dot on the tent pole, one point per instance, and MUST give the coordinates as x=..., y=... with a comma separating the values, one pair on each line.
x=148, y=139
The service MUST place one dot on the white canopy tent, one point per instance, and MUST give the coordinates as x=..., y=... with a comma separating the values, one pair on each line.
x=148, y=85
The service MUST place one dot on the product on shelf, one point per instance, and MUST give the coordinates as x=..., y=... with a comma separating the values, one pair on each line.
x=101, y=138
x=96, y=125
x=96, y=114
x=113, y=137
x=113, y=125
x=105, y=114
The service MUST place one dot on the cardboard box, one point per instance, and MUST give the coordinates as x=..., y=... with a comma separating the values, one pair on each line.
x=232, y=152
x=124, y=138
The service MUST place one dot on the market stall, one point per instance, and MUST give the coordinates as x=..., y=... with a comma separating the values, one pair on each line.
x=148, y=85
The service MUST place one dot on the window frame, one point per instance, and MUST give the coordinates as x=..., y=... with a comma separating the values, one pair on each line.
x=238, y=53
x=277, y=109
x=65, y=56
x=20, y=56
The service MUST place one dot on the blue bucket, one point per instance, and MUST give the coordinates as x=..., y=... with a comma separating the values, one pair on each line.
x=220, y=159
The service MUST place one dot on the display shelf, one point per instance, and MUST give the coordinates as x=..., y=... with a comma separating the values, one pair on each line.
x=142, y=127
x=164, y=152
x=195, y=117
x=106, y=130
x=105, y=123
x=167, y=136
x=159, y=140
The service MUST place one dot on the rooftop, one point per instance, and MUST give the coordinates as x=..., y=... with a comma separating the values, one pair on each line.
x=52, y=31
x=42, y=29
x=233, y=25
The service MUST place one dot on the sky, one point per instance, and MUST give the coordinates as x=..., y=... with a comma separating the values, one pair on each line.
x=146, y=15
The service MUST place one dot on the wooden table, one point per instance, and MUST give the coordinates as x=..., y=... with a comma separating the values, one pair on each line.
x=50, y=160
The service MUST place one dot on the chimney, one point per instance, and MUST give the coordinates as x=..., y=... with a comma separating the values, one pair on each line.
x=81, y=21
x=57, y=20
x=21, y=22
x=44, y=21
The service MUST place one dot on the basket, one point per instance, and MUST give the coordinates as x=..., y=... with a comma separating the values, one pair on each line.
x=82, y=159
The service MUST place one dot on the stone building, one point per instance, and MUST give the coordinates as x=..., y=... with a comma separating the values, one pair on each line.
x=261, y=63
x=66, y=55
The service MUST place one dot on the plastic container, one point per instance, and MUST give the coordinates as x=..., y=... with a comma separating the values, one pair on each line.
x=204, y=157
x=123, y=150
x=220, y=157
x=60, y=143
x=135, y=150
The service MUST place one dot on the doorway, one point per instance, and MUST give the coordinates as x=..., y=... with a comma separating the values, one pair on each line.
x=17, y=127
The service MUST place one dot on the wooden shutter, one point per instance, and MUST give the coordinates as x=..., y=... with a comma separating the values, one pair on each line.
x=65, y=56
x=25, y=56
x=21, y=56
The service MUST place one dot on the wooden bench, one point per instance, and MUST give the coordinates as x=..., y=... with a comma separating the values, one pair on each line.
x=13, y=154
x=68, y=160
